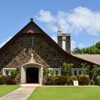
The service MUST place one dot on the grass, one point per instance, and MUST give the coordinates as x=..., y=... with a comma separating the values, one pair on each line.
x=65, y=93
x=5, y=89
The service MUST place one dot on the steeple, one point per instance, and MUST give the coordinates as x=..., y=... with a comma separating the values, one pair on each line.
x=59, y=30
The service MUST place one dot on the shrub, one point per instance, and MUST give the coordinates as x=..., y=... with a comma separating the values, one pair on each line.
x=98, y=80
x=56, y=80
x=4, y=79
x=62, y=80
x=10, y=80
x=1, y=79
x=71, y=79
x=14, y=73
x=84, y=79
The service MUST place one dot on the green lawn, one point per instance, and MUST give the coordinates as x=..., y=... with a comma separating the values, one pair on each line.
x=65, y=93
x=5, y=89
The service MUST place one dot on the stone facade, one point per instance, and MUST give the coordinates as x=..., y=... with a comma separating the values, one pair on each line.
x=45, y=53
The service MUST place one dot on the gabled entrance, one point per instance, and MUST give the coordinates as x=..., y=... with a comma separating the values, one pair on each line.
x=32, y=75
x=32, y=72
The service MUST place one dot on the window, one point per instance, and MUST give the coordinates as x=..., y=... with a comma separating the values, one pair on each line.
x=75, y=72
x=56, y=72
x=79, y=72
x=7, y=72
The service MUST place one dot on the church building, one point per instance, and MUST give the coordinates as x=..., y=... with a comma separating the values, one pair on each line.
x=31, y=50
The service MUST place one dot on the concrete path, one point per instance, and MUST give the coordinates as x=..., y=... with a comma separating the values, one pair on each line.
x=21, y=93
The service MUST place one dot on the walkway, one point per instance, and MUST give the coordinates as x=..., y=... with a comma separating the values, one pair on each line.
x=21, y=93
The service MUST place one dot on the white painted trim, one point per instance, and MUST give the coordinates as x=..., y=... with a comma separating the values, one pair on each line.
x=8, y=69
x=33, y=65
x=54, y=70
x=77, y=70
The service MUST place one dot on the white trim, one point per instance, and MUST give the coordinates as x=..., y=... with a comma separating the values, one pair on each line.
x=33, y=65
x=54, y=71
x=77, y=71
x=9, y=70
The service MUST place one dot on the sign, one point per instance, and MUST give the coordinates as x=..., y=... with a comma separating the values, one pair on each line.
x=75, y=83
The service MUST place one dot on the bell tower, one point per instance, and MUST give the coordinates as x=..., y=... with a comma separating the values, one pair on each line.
x=64, y=37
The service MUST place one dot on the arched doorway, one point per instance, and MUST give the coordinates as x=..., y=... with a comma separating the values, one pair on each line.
x=32, y=72
x=32, y=75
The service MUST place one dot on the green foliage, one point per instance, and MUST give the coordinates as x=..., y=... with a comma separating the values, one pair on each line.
x=66, y=68
x=94, y=49
x=56, y=80
x=98, y=80
x=71, y=79
x=92, y=82
x=46, y=71
x=7, y=79
x=14, y=73
x=0, y=79
x=84, y=79
x=85, y=67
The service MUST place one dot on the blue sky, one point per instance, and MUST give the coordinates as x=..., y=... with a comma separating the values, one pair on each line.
x=80, y=18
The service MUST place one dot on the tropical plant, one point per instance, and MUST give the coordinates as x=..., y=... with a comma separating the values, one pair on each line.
x=14, y=73
x=46, y=71
x=85, y=67
x=66, y=68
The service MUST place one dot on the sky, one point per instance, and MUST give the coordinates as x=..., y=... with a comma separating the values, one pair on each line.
x=80, y=18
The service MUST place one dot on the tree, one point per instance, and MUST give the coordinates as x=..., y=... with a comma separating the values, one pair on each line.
x=76, y=51
x=94, y=49
x=66, y=68
x=94, y=71
x=46, y=71
x=85, y=67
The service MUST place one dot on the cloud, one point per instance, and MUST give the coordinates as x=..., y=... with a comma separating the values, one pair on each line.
x=5, y=41
x=80, y=45
x=78, y=20
x=73, y=45
x=45, y=16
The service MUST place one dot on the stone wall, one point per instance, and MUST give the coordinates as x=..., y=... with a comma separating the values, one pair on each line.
x=44, y=52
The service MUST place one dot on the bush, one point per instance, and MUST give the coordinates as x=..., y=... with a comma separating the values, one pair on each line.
x=14, y=73
x=62, y=80
x=10, y=80
x=84, y=79
x=71, y=79
x=56, y=80
x=1, y=79
x=98, y=80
